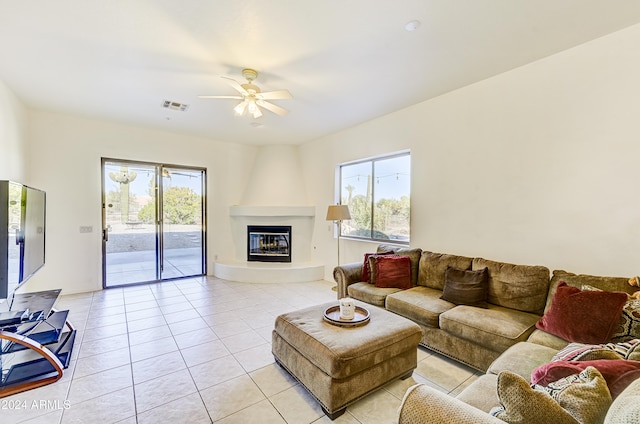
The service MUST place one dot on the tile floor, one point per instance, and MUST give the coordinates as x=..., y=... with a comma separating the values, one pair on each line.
x=197, y=351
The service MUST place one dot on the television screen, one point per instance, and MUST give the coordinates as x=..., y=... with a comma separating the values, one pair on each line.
x=33, y=221
x=22, y=234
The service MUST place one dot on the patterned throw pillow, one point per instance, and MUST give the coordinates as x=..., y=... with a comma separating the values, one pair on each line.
x=628, y=350
x=629, y=323
x=585, y=352
x=583, y=397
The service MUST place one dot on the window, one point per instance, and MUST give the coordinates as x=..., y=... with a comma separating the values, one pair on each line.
x=378, y=192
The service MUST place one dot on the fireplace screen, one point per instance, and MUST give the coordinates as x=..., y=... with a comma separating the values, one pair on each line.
x=269, y=243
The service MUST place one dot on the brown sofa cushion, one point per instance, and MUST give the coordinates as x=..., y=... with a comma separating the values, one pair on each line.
x=369, y=293
x=433, y=267
x=466, y=287
x=496, y=328
x=583, y=316
x=520, y=287
x=522, y=358
x=545, y=339
x=420, y=304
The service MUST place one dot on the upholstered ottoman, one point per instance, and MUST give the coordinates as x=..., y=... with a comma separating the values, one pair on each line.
x=339, y=365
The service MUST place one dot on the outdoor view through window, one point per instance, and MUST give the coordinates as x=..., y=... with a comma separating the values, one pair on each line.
x=378, y=192
x=154, y=222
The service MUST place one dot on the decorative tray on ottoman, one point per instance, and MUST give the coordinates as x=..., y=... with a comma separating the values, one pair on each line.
x=332, y=316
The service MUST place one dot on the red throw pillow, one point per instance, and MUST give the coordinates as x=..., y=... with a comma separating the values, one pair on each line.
x=583, y=316
x=391, y=271
x=618, y=373
x=366, y=270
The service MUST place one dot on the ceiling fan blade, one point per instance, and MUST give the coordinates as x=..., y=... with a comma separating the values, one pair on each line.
x=271, y=107
x=235, y=85
x=221, y=97
x=275, y=95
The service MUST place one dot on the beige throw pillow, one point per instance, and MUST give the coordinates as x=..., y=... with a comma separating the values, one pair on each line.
x=581, y=398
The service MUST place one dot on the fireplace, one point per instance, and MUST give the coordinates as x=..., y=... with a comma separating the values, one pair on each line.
x=269, y=243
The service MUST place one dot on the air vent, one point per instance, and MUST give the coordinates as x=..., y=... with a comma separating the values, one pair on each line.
x=168, y=104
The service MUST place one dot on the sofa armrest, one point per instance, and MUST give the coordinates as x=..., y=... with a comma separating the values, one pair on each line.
x=347, y=274
x=423, y=404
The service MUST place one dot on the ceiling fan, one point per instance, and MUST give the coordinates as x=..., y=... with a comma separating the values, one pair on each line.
x=252, y=98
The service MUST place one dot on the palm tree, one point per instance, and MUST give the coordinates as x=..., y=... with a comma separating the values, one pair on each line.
x=124, y=177
x=350, y=189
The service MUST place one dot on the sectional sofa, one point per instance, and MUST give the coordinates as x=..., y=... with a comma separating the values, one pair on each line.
x=510, y=336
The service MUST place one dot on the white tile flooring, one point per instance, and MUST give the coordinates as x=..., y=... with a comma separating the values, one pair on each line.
x=197, y=351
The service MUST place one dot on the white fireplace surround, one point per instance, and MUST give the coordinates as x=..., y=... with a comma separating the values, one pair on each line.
x=273, y=195
x=300, y=218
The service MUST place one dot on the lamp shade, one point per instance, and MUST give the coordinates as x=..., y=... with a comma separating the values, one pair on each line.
x=338, y=213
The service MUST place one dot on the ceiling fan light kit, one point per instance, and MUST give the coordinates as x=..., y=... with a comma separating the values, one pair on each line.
x=252, y=97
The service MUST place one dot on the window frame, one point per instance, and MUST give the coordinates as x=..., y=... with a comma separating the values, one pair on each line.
x=339, y=195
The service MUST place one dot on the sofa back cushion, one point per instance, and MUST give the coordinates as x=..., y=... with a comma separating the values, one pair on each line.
x=433, y=267
x=520, y=287
x=413, y=254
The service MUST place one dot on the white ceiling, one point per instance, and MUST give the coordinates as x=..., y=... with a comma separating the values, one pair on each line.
x=344, y=61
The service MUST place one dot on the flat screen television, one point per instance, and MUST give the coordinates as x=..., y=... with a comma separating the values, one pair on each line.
x=22, y=234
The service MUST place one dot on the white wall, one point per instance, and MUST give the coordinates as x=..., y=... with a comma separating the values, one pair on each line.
x=275, y=178
x=65, y=162
x=13, y=138
x=538, y=165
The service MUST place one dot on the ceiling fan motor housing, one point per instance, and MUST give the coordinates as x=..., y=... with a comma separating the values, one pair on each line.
x=251, y=88
x=249, y=74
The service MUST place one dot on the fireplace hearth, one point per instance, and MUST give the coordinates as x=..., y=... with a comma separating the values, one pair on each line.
x=269, y=243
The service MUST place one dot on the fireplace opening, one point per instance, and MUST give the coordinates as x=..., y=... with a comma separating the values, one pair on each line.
x=268, y=243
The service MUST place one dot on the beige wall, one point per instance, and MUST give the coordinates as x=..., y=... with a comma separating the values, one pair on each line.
x=538, y=165
x=65, y=161
x=13, y=136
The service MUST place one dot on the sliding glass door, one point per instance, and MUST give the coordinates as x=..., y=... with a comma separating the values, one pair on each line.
x=153, y=222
